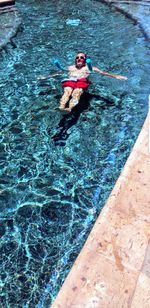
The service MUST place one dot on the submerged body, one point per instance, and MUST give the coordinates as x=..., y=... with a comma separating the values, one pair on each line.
x=77, y=82
x=78, y=78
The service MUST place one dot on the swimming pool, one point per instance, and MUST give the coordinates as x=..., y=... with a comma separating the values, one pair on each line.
x=58, y=170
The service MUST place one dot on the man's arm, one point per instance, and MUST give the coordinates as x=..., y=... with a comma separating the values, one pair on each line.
x=95, y=69
x=58, y=73
x=49, y=76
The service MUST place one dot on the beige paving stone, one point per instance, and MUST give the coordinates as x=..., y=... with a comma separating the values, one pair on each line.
x=113, y=268
x=91, y=289
x=141, y=298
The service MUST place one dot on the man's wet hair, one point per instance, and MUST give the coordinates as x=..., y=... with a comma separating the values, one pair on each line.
x=83, y=53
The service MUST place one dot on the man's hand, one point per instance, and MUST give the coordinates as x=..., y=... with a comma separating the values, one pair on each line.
x=121, y=77
x=42, y=78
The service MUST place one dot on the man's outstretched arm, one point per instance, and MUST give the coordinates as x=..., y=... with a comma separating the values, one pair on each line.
x=95, y=69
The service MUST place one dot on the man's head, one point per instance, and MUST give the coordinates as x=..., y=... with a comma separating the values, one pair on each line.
x=80, y=60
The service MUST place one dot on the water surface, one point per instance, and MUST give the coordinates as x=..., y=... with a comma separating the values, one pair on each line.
x=58, y=170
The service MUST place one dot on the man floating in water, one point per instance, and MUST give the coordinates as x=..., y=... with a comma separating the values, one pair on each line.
x=77, y=81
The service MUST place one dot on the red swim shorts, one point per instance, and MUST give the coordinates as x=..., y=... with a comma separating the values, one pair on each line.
x=82, y=83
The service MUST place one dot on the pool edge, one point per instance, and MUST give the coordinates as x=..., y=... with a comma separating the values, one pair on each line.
x=127, y=9
x=13, y=24
x=112, y=267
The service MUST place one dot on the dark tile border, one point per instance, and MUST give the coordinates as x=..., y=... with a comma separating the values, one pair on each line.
x=7, y=3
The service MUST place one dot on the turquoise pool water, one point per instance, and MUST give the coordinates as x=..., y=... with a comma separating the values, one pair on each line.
x=58, y=170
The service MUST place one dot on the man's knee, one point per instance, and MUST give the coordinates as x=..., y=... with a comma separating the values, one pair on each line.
x=67, y=91
x=77, y=93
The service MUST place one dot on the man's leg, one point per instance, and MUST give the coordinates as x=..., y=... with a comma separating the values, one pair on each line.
x=65, y=98
x=76, y=94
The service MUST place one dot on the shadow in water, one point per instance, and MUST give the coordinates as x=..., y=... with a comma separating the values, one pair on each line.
x=68, y=120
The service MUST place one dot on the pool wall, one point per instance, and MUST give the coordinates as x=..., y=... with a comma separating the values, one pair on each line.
x=10, y=21
x=138, y=11
x=113, y=268
x=4, y=3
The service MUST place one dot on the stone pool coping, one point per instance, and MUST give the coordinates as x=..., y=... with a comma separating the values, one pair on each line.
x=137, y=11
x=113, y=268
x=10, y=22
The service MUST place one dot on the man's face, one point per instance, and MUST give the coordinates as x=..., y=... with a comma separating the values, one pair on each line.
x=80, y=60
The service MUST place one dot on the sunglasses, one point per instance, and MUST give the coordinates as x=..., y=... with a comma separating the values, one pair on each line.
x=82, y=58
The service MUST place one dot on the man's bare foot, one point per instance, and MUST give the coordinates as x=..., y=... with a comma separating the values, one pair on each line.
x=68, y=109
x=61, y=108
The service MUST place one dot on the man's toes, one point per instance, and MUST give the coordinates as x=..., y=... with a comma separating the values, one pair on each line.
x=61, y=108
